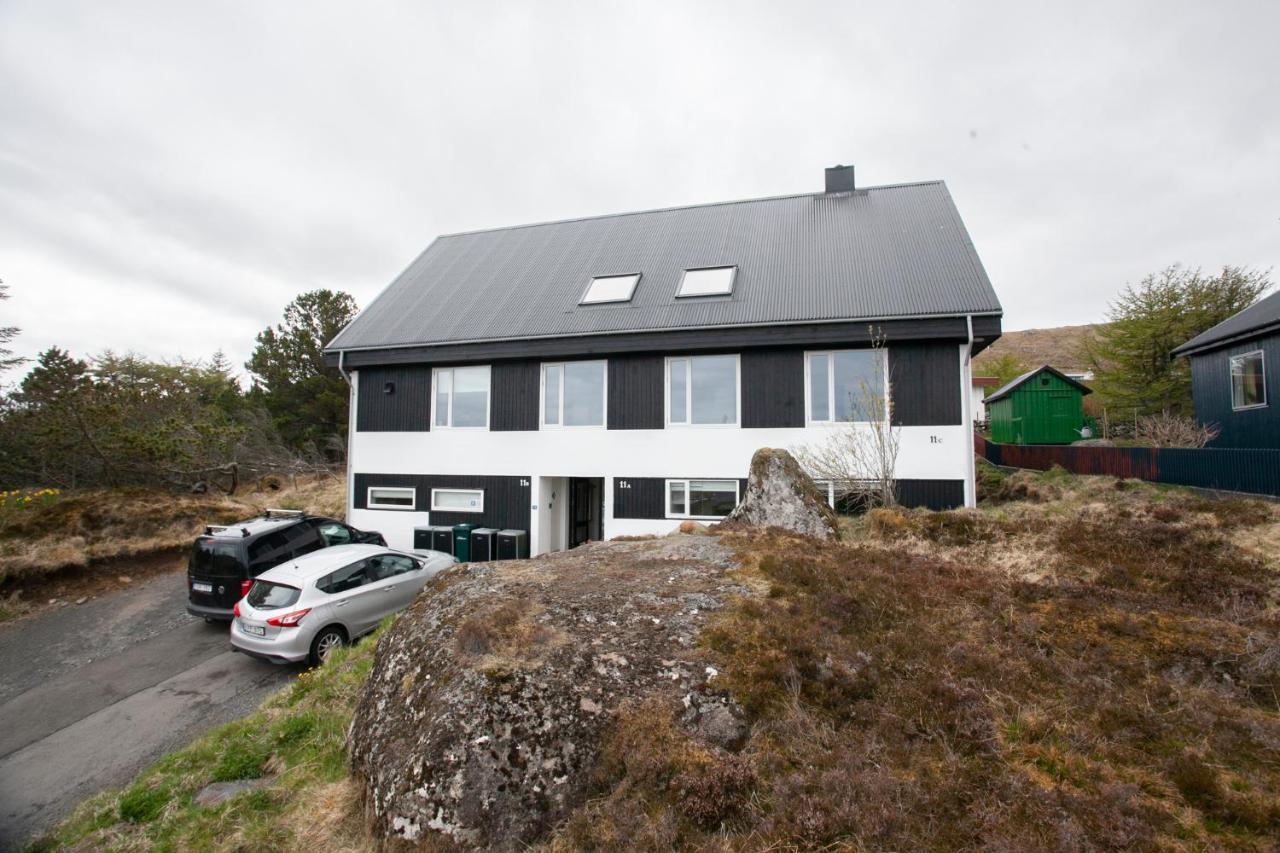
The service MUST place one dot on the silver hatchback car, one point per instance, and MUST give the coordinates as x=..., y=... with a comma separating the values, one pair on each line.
x=304, y=609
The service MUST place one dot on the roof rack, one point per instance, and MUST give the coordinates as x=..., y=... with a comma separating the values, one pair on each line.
x=211, y=529
x=284, y=513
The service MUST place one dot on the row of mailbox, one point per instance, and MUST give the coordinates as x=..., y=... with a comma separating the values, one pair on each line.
x=471, y=544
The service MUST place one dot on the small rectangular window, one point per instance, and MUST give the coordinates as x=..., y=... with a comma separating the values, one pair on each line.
x=701, y=498
x=461, y=399
x=710, y=281
x=457, y=500
x=702, y=390
x=1248, y=381
x=573, y=394
x=382, y=497
x=611, y=288
x=846, y=385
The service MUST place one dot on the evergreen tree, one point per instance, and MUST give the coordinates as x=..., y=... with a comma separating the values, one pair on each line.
x=1131, y=355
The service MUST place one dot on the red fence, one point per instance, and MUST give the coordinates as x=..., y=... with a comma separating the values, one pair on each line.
x=1253, y=470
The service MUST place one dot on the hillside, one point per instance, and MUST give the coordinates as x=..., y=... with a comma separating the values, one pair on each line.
x=1060, y=347
x=1082, y=663
x=64, y=546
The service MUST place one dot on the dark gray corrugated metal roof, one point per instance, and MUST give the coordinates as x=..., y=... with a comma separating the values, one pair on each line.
x=1008, y=387
x=895, y=251
x=1260, y=315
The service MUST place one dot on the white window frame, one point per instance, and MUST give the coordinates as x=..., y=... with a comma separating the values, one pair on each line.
x=370, y=503
x=586, y=294
x=666, y=496
x=488, y=397
x=1231, y=380
x=831, y=384
x=687, y=423
x=542, y=395
x=437, y=508
x=733, y=282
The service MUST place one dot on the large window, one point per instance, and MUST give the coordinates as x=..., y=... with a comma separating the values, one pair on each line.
x=573, y=394
x=702, y=390
x=611, y=288
x=1248, y=381
x=457, y=500
x=701, y=498
x=388, y=498
x=461, y=397
x=846, y=385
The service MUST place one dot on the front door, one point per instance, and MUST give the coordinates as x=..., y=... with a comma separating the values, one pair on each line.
x=585, y=508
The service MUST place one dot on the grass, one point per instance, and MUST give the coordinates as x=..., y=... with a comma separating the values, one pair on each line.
x=82, y=529
x=295, y=742
x=910, y=689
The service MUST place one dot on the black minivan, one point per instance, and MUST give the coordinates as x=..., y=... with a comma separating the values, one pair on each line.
x=225, y=559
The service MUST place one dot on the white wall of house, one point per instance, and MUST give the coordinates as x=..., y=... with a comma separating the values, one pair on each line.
x=549, y=457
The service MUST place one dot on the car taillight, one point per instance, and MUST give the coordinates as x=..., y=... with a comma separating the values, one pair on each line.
x=289, y=620
x=235, y=611
x=244, y=587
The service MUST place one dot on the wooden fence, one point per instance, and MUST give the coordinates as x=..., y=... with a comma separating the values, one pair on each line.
x=1252, y=470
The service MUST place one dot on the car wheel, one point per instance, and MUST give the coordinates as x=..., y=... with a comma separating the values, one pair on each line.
x=326, y=643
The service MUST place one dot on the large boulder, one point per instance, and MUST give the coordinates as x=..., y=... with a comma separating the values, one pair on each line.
x=780, y=494
x=484, y=712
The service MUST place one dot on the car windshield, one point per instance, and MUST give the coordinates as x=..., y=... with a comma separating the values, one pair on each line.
x=265, y=595
x=210, y=557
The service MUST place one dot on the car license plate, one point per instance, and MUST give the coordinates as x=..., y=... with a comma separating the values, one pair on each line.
x=256, y=630
x=202, y=587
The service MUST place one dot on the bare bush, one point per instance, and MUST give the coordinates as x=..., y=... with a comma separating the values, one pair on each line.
x=1170, y=430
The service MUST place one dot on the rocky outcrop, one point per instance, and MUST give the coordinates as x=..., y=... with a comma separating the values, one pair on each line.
x=488, y=699
x=780, y=494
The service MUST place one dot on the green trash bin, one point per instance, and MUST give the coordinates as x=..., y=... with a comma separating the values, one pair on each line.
x=462, y=541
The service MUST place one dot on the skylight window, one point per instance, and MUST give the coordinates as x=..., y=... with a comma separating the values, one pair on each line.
x=710, y=281
x=611, y=288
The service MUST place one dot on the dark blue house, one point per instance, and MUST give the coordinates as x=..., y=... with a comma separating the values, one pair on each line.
x=1235, y=376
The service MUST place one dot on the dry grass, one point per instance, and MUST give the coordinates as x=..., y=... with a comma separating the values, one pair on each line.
x=909, y=690
x=85, y=528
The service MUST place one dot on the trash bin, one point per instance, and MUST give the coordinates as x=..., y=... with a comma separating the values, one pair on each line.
x=433, y=538
x=484, y=544
x=513, y=544
x=462, y=542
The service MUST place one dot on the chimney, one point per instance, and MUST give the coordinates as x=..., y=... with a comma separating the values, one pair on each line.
x=840, y=179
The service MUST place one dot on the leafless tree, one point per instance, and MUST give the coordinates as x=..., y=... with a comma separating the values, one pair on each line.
x=1170, y=430
x=859, y=456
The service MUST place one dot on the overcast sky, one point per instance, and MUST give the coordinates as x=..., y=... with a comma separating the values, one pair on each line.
x=172, y=174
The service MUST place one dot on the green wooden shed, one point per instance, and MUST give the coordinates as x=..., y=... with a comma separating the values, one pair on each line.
x=1042, y=406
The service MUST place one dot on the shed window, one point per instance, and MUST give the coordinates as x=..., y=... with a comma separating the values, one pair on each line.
x=387, y=498
x=846, y=385
x=461, y=398
x=611, y=288
x=710, y=281
x=457, y=500
x=701, y=498
x=702, y=390
x=573, y=394
x=1248, y=381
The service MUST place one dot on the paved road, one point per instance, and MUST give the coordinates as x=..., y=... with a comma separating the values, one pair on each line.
x=90, y=695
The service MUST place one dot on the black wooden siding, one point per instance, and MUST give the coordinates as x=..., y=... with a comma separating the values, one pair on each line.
x=773, y=388
x=636, y=386
x=925, y=383
x=514, y=392
x=406, y=409
x=930, y=494
x=506, y=499
x=1211, y=387
x=645, y=497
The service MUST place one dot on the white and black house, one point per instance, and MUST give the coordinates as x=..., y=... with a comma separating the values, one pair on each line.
x=613, y=375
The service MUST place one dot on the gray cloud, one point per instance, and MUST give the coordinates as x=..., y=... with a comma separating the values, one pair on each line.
x=172, y=174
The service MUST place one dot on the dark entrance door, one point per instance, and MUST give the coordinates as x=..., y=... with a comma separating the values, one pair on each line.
x=586, y=509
